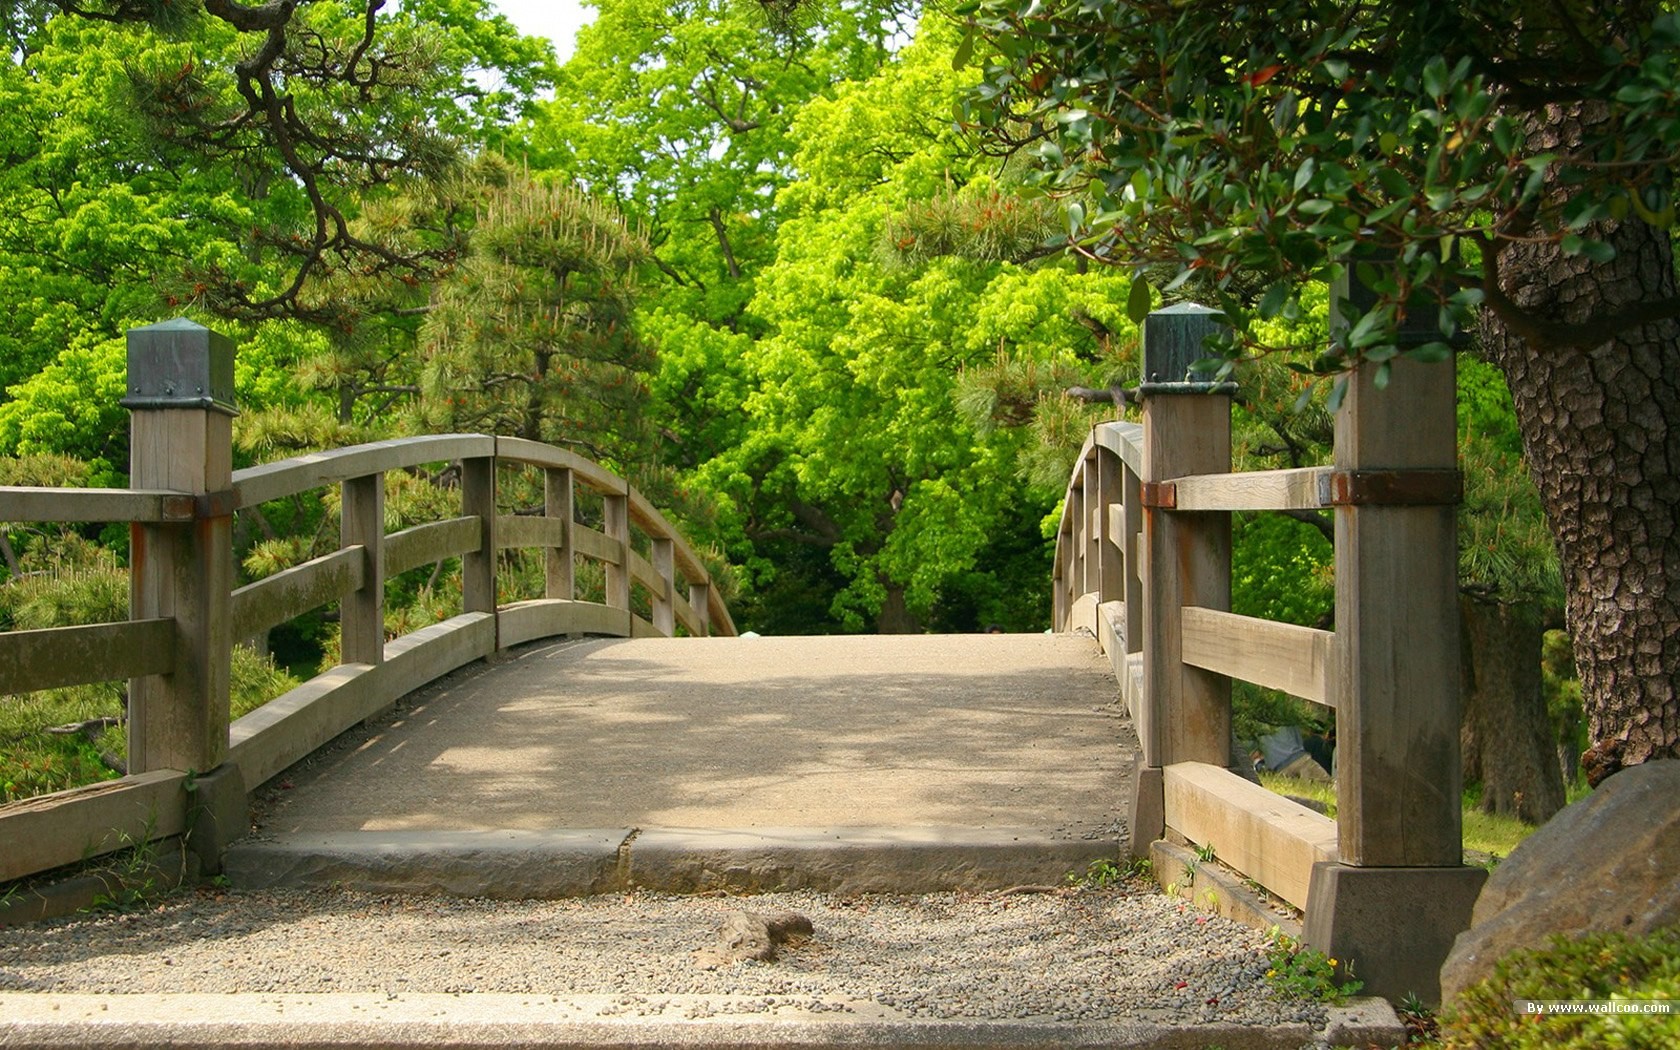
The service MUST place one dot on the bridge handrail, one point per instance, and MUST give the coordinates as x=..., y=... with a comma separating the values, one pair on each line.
x=1143, y=561
x=186, y=615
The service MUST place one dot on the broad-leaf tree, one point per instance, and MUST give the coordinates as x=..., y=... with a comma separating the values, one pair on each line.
x=1497, y=163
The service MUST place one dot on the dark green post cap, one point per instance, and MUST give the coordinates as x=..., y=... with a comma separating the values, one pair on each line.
x=1174, y=338
x=179, y=364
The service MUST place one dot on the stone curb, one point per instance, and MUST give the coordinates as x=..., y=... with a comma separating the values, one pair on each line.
x=581, y=862
x=469, y=1021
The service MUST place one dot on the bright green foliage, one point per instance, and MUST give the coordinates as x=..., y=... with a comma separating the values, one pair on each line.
x=71, y=407
x=1584, y=966
x=1287, y=140
x=855, y=443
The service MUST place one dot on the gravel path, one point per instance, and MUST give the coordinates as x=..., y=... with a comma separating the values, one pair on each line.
x=1087, y=955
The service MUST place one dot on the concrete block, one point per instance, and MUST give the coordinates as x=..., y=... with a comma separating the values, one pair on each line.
x=218, y=814
x=1393, y=926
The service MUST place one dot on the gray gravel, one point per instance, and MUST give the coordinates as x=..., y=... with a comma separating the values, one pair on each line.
x=1087, y=955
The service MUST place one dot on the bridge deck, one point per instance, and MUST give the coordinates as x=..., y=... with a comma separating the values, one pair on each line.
x=853, y=763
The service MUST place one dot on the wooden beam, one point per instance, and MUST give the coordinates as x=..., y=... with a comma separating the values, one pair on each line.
x=559, y=560
x=101, y=652
x=522, y=530
x=97, y=505
x=1274, y=655
x=597, y=546
x=49, y=831
x=292, y=592
x=1302, y=489
x=362, y=530
x=288, y=477
x=1124, y=440
x=428, y=543
x=478, y=566
x=1265, y=836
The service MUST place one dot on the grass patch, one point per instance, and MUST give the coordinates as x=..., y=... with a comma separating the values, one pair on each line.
x=1483, y=832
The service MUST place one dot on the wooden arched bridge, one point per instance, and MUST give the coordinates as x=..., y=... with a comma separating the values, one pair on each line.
x=573, y=745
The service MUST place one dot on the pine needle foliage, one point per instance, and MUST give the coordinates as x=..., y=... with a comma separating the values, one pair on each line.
x=534, y=337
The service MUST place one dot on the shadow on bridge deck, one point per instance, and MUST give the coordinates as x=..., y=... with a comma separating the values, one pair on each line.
x=852, y=764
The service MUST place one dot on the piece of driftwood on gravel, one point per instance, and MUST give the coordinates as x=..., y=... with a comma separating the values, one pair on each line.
x=747, y=935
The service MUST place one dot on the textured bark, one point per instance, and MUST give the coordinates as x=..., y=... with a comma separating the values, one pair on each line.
x=1601, y=429
x=1507, y=734
x=895, y=616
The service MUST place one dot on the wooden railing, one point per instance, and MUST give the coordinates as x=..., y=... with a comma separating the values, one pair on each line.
x=190, y=770
x=1143, y=561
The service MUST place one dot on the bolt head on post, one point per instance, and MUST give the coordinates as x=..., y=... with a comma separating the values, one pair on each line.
x=180, y=364
x=1174, y=339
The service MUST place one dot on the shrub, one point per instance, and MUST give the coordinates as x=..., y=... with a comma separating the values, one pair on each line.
x=1592, y=966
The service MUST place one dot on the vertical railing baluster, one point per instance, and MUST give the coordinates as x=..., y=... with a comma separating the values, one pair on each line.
x=664, y=558
x=478, y=567
x=559, y=504
x=700, y=598
x=616, y=523
x=362, y=611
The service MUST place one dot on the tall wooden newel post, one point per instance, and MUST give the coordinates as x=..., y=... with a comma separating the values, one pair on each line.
x=1398, y=894
x=1186, y=711
x=180, y=396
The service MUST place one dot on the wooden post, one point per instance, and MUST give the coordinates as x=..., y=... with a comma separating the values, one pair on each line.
x=615, y=514
x=559, y=502
x=1131, y=543
x=362, y=612
x=1187, y=556
x=1397, y=717
x=478, y=568
x=700, y=598
x=1111, y=569
x=1398, y=894
x=665, y=564
x=1181, y=559
x=1091, y=522
x=180, y=394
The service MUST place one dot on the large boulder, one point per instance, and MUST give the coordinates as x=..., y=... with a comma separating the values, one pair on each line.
x=1610, y=862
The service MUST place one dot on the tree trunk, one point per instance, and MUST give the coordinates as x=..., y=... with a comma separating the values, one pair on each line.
x=1601, y=430
x=895, y=616
x=1507, y=734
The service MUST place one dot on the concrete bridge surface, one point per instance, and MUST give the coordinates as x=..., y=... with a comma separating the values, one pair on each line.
x=853, y=764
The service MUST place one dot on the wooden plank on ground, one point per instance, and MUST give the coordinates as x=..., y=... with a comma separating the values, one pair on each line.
x=101, y=652
x=547, y=617
x=1265, y=836
x=295, y=723
x=1270, y=654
